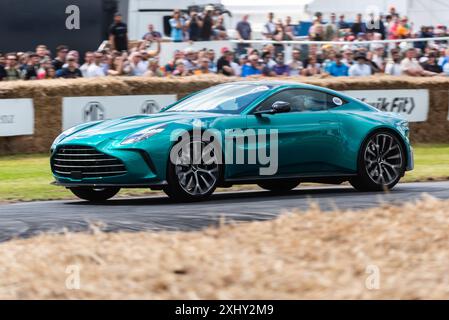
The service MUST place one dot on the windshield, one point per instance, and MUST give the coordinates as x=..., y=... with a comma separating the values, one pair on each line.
x=228, y=98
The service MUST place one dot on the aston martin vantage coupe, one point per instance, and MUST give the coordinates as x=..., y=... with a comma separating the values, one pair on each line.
x=273, y=134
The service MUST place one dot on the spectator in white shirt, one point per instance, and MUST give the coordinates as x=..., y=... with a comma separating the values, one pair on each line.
x=360, y=68
x=91, y=67
x=88, y=59
x=269, y=28
x=136, y=67
x=393, y=67
x=411, y=67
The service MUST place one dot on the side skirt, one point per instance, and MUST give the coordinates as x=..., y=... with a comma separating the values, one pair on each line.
x=320, y=178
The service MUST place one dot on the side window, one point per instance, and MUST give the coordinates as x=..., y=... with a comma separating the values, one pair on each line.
x=286, y=95
x=303, y=100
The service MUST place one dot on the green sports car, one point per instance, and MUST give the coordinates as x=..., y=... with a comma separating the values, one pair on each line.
x=273, y=134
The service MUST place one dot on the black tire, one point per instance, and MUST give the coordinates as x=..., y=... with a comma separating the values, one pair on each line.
x=381, y=163
x=279, y=186
x=94, y=194
x=180, y=192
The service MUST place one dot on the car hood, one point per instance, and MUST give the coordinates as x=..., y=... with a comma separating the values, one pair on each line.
x=121, y=128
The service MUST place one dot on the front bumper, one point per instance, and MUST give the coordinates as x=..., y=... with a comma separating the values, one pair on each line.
x=159, y=184
x=141, y=170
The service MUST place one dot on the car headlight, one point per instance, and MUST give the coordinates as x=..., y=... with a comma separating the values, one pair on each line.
x=142, y=134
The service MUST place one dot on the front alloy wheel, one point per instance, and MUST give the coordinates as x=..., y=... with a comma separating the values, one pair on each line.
x=382, y=163
x=190, y=180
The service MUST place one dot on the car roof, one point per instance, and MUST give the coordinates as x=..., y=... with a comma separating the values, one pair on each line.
x=278, y=83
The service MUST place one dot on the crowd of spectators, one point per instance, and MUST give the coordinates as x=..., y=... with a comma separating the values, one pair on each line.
x=356, y=57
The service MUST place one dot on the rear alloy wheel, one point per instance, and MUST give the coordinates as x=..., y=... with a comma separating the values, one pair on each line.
x=94, y=194
x=381, y=163
x=193, y=180
x=279, y=186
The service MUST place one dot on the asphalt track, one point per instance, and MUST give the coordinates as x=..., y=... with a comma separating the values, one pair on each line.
x=158, y=213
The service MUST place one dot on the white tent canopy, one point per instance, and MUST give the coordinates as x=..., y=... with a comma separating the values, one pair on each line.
x=420, y=12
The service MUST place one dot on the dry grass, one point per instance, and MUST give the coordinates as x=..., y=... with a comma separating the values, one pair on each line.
x=311, y=254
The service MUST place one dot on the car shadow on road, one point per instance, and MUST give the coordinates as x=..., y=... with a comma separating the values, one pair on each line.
x=234, y=197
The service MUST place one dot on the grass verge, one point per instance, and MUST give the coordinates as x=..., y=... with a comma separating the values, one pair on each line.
x=28, y=177
x=380, y=253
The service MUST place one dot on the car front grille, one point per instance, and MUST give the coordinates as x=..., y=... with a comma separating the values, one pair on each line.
x=80, y=162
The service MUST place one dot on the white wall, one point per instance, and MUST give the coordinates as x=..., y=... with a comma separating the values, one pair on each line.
x=351, y=8
x=428, y=12
x=420, y=12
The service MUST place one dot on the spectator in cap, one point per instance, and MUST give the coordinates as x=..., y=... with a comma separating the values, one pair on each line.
x=190, y=59
x=118, y=34
x=154, y=70
x=252, y=67
x=360, y=68
x=137, y=66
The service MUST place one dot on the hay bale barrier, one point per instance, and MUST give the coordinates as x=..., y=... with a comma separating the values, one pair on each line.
x=48, y=94
x=388, y=252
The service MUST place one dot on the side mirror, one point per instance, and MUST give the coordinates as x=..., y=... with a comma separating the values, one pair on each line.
x=277, y=107
x=280, y=107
